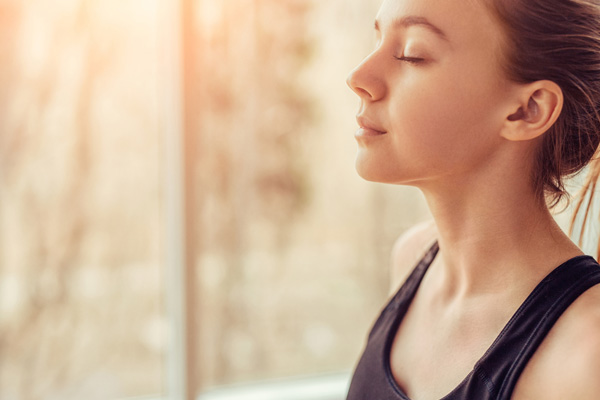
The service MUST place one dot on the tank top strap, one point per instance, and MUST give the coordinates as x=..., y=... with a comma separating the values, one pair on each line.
x=504, y=362
x=399, y=303
x=407, y=291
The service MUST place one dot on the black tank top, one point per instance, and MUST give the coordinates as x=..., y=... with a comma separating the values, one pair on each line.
x=495, y=375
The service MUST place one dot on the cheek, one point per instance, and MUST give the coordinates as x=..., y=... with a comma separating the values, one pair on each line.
x=445, y=123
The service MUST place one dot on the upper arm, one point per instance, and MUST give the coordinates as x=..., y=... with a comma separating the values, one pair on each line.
x=567, y=363
x=408, y=249
x=585, y=376
x=590, y=382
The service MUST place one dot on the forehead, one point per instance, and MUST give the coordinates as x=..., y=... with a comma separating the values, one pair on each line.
x=461, y=21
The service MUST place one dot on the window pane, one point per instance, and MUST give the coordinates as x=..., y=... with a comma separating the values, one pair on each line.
x=293, y=246
x=80, y=260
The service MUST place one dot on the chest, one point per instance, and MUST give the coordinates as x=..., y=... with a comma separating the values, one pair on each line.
x=434, y=350
x=520, y=349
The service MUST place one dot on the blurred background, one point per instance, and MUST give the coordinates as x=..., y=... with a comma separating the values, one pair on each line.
x=288, y=247
x=179, y=209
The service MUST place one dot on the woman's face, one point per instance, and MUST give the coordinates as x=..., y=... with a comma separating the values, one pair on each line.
x=433, y=96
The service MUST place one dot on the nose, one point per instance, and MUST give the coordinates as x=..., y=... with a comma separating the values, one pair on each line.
x=367, y=79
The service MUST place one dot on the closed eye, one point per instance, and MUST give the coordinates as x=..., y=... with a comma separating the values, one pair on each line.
x=411, y=60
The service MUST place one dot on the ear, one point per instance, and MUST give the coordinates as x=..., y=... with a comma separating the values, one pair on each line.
x=536, y=108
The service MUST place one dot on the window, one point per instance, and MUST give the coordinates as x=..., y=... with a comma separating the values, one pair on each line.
x=292, y=246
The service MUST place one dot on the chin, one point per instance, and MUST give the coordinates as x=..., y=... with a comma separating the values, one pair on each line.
x=373, y=172
x=381, y=173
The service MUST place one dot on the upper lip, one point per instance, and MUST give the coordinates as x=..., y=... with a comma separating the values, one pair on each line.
x=364, y=122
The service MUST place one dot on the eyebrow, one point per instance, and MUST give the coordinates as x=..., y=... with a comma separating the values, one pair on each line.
x=412, y=20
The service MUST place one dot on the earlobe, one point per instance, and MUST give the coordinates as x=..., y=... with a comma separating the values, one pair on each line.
x=538, y=106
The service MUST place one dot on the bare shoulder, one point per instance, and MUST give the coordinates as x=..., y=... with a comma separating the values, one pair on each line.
x=408, y=249
x=567, y=364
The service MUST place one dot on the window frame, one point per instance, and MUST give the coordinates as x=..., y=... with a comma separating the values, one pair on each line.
x=174, y=36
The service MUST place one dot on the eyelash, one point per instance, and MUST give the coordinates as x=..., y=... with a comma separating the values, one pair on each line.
x=410, y=60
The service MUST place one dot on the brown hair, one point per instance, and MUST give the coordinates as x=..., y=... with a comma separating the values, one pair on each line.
x=559, y=40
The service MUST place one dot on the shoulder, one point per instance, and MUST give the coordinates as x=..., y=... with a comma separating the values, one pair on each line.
x=567, y=364
x=578, y=340
x=408, y=249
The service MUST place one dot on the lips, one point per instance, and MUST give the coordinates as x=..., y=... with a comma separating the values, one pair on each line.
x=368, y=128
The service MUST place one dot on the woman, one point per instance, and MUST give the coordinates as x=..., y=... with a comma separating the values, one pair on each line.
x=485, y=106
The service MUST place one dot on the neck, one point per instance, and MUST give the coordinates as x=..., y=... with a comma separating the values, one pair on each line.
x=497, y=238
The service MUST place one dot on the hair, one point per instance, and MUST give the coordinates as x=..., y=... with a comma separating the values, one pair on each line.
x=559, y=40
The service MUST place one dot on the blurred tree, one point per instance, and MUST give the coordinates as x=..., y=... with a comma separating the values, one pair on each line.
x=54, y=224
x=253, y=119
x=10, y=17
x=53, y=249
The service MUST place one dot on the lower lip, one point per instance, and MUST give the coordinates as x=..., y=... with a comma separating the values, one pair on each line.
x=364, y=132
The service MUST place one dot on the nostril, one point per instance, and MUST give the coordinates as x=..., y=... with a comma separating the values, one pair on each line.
x=359, y=90
x=365, y=93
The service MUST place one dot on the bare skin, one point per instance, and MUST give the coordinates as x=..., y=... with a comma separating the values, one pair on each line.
x=438, y=113
x=566, y=362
